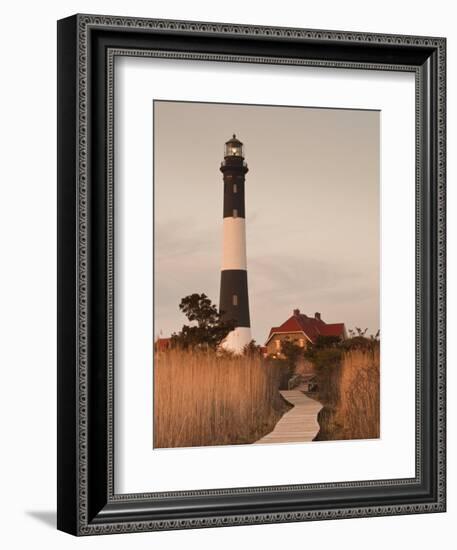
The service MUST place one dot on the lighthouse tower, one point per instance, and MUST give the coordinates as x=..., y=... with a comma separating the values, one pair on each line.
x=234, y=300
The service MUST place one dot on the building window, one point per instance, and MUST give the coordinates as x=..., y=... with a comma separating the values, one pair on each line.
x=235, y=188
x=235, y=299
x=235, y=213
x=302, y=342
x=278, y=344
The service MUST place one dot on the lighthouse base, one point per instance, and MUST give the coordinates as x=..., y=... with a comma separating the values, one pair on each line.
x=237, y=339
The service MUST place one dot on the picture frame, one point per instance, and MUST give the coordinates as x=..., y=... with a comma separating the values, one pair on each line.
x=87, y=501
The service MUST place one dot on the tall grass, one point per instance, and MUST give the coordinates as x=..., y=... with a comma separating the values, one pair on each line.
x=201, y=398
x=350, y=394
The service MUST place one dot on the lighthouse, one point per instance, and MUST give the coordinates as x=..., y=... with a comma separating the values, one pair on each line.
x=234, y=298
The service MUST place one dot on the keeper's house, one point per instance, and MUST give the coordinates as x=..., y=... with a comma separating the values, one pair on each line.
x=302, y=330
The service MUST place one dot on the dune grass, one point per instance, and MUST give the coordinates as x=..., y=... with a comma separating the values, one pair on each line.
x=202, y=398
x=350, y=394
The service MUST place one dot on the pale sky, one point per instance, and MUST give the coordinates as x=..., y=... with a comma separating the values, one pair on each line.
x=312, y=210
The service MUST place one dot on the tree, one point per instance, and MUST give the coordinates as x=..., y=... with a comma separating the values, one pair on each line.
x=325, y=342
x=358, y=332
x=198, y=307
x=376, y=336
x=252, y=348
x=325, y=353
x=209, y=331
x=291, y=352
x=358, y=339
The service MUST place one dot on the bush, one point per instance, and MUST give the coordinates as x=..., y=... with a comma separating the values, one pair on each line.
x=347, y=375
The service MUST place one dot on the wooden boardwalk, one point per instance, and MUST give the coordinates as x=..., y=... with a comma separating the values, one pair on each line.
x=297, y=425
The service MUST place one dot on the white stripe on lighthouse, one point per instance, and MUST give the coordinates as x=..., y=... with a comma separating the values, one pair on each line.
x=234, y=244
x=237, y=339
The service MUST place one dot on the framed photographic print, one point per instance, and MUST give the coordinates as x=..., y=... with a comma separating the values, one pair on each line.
x=251, y=274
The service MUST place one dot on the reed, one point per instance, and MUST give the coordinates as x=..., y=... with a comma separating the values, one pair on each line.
x=204, y=398
x=351, y=396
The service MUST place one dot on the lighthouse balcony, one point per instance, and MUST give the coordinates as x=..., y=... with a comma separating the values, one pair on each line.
x=234, y=163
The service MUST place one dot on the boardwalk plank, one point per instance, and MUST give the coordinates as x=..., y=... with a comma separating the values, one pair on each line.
x=297, y=425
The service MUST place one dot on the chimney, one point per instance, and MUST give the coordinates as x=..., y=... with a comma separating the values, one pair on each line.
x=296, y=312
x=317, y=316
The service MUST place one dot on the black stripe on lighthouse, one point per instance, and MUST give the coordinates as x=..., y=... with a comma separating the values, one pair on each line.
x=234, y=300
x=234, y=196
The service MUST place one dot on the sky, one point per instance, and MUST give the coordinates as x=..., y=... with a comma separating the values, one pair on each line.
x=312, y=211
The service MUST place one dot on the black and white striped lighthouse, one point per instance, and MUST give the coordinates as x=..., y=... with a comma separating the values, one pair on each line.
x=234, y=299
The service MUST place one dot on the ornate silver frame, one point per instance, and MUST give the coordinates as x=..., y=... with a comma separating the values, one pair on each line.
x=88, y=43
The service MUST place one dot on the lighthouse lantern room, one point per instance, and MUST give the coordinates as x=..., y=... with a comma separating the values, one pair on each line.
x=233, y=148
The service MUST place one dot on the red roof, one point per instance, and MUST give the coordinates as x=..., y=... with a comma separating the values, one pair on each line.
x=334, y=329
x=162, y=344
x=311, y=327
